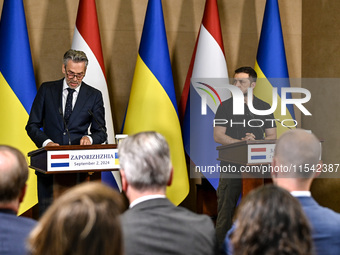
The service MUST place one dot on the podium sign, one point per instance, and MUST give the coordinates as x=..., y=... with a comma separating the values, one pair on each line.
x=260, y=153
x=249, y=153
x=75, y=158
x=73, y=164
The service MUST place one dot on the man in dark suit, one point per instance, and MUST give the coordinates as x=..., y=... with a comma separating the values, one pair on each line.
x=65, y=109
x=13, y=176
x=152, y=224
x=300, y=151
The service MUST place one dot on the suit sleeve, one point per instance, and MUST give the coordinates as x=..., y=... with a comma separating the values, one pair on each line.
x=35, y=121
x=98, y=125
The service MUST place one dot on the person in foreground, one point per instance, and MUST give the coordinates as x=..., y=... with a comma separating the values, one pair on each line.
x=152, y=224
x=302, y=150
x=270, y=221
x=84, y=220
x=65, y=109
x=13, y=176
x=255, y=127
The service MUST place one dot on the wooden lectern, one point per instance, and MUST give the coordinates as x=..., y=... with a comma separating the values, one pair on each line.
x=72, y=164
x=255, y=158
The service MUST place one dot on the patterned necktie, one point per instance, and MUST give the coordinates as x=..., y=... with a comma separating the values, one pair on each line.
x=68, y=106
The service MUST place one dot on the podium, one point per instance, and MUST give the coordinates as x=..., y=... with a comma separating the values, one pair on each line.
x=72, y=164
x=254, y=158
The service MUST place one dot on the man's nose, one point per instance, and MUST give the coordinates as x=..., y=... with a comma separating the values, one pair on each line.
x=237, y=84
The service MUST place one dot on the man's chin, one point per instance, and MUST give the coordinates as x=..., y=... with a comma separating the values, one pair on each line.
x=73, y=86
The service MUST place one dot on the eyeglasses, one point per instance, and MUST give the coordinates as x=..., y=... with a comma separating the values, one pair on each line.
x=71, y=75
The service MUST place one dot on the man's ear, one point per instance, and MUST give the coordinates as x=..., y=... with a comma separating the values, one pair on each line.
x=253, y=84
x=318, y=169
x=63, y=68
x=170, y=177
x=22, y=195
x=124, y=182
x=273, y=174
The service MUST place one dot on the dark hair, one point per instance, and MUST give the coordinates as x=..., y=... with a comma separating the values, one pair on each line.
x=271, y=221
x=250, y=71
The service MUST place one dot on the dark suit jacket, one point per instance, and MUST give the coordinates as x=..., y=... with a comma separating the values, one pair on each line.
x=13, y=233
x=156, y=226
x=325, y=226
x=46, y=113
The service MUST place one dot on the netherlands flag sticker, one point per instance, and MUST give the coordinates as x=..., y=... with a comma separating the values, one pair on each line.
x=258, y=153
x=60, y=160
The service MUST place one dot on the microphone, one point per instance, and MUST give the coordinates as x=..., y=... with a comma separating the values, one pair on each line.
x=263, y=131
x=65, y=125
x=283, y=124
x=100, y=126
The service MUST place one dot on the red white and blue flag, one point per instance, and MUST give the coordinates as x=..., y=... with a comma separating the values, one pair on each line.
x=87, y=38
x=208, y=66
x=258, y=153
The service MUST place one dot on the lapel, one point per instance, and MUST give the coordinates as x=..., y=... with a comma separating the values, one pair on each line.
x=57, y=90
x=57, y=101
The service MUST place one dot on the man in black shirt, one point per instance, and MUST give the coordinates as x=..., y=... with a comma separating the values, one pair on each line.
x=230, y=128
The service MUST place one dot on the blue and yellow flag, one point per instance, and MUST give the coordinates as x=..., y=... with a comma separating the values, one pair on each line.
x=152, y=104
x=17, y=87
x=271, y=64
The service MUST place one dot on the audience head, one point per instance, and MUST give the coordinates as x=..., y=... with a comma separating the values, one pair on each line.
x=84, y=220
x=271, y=221
x=296, y=159
x=13, y=176
x=145, y=162
x=298, y=148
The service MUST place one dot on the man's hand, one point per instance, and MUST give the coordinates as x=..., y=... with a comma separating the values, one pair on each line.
x=52, y=144
x=85, y=141
x=249, y=136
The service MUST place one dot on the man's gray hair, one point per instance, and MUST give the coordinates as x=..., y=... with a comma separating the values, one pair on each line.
x=76, y=56
x=299, y=151
x=145, y=159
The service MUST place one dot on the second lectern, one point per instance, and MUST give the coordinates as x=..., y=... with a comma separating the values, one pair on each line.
x=254, y=158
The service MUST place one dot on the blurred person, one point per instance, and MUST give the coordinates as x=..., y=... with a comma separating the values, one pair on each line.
x=84, y=220
x=63, y=112
x=152, y=224
x=301, y=151
x=13, y=176
x=271, y=221
x=255, y=127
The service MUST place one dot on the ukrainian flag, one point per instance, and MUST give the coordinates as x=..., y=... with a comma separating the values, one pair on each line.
x=17, y=87
x=271, y=64
x=152, y=104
